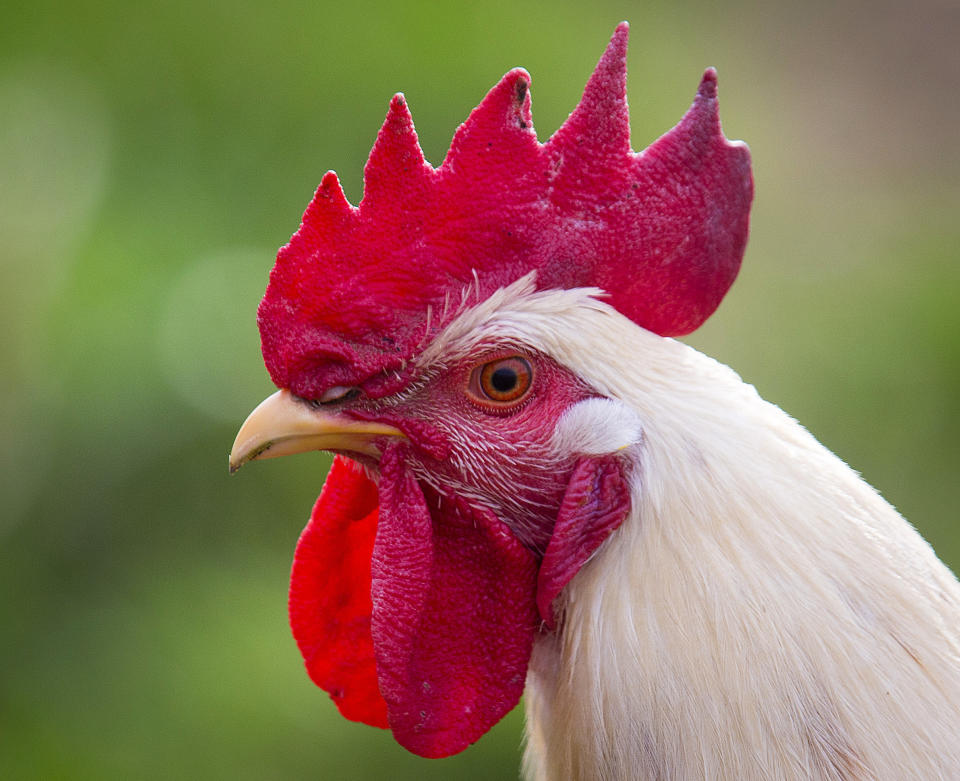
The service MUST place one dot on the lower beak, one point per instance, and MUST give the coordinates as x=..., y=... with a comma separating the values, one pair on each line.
x=284, y=424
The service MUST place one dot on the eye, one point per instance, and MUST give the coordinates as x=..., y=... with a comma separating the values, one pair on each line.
x=502, y=383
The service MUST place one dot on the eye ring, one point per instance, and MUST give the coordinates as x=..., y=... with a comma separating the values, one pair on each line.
x=503, y=383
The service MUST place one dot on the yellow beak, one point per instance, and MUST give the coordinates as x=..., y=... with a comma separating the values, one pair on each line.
x=283, y=424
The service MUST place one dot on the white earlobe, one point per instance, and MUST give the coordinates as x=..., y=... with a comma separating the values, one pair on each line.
x=597, y=426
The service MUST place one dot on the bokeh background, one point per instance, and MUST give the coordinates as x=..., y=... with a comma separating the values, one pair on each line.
x=154, y=155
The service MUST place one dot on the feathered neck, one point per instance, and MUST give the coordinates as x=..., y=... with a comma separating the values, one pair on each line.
x=763, y=613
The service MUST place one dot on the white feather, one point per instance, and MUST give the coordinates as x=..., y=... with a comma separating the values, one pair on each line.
x=762, y=613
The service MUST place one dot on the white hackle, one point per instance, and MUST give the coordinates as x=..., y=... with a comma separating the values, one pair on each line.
x=761, y=614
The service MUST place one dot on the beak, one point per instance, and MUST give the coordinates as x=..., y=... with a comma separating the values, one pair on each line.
x=284, y=424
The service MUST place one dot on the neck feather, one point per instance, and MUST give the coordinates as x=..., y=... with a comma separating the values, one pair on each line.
x=763, y=612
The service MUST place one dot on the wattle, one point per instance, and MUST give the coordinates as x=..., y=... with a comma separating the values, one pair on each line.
x=421, y=621
x=419, y=612
x=329, y=601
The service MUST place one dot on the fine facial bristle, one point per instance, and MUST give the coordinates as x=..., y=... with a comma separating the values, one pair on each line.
x=662, y=231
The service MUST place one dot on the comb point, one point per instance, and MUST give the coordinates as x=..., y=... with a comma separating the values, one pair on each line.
x=708, y=85
x=504, y=110
x=599, y=127
x=329, y=201
x=396, y=163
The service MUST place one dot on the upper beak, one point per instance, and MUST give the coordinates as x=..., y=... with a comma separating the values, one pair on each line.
x=283, y=424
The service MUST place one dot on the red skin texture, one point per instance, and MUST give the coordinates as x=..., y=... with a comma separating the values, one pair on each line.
x=471, y=450
x=358, y=291
x=454, y=615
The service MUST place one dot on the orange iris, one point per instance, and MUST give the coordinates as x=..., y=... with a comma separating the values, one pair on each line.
x=505, y=382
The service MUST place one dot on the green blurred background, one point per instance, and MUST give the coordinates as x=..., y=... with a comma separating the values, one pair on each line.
x=154, y=156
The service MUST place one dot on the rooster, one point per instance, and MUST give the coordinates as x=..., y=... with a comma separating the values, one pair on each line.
x=537, y=489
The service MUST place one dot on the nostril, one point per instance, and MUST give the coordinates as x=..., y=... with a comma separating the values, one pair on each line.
x=339, y=393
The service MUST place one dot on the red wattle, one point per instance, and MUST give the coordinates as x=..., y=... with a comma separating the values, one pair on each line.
x=434, y=608
x=454, y=615
x=330, y=604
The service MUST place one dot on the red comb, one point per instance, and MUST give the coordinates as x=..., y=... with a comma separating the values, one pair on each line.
x=663, y=231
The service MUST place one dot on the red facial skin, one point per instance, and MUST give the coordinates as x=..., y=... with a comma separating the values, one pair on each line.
x=493, y=455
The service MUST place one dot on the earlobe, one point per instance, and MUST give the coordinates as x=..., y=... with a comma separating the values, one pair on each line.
x=597, y=426
x=596, y=502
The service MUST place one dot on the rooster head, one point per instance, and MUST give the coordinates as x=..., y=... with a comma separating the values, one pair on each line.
x=407, y=335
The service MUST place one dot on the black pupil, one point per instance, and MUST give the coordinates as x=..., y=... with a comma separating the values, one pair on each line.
x=504, y=379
